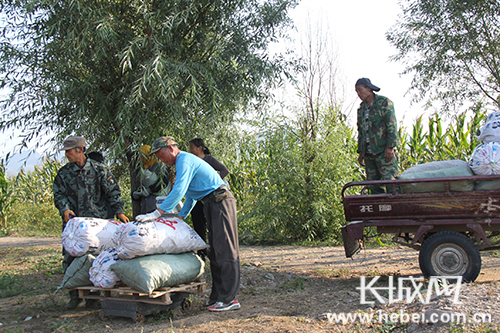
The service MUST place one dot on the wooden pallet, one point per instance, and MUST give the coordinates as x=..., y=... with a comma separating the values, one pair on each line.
x=159, y=296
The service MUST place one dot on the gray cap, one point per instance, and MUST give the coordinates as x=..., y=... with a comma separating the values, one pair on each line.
x=163, y=141
x=73, y=142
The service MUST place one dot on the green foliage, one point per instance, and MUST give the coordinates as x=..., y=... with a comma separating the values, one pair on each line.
x=452, y=47
x=457, y=141
x=36, y=186
x=122, y=73
x=33, y=211
x=291, y=187
x=6, y=197
x=28, y=219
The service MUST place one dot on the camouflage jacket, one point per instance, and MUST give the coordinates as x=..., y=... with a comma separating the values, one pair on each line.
x=87, y=191
x=382, y=126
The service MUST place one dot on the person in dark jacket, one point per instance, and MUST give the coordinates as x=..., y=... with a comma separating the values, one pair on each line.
x=197, y=147
x=84, y=188
x=377, y=134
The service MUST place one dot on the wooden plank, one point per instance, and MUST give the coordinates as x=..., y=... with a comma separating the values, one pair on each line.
x=159, y=296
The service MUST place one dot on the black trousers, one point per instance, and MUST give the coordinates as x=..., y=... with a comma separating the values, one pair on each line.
x=199, y=220
x=224, y=255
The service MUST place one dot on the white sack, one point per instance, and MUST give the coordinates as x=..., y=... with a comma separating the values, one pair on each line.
x=84, y=235
x=169, y=235
x=100, y=273
x=490, y=132
x=485, y=159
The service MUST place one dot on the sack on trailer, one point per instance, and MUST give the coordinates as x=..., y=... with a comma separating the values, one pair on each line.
x=159, y=270
x=485, y=159
x=77, y=274
x=490, y=132
x=88, y=235
x=438, y=169
x=100, y=274
x=168, y=235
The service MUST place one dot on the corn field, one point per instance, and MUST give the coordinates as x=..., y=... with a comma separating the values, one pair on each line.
x=456, y=141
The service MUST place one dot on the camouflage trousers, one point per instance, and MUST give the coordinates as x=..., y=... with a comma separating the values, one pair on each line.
x=378, y=168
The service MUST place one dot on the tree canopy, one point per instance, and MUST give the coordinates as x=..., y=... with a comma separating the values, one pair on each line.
x=452, y=47
x=123, y=72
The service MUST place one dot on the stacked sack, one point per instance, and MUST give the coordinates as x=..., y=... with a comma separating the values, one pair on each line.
x=437, y=169
x=145, y=256
x=485, y=159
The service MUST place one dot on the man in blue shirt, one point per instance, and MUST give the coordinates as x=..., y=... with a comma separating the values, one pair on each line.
x=197, y=180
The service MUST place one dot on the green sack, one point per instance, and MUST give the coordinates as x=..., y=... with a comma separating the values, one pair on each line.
x=77, y=274
x=148, y=273
x=487, y=185
x=441, y=170
x=148, y=178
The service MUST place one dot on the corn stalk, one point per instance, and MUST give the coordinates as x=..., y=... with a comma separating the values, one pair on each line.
x=456, y=142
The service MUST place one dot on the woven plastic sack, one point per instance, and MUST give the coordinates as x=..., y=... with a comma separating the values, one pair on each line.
x=88, y=235
x=485, y=159
x=164, y=235
x=77, y=274
x=100, y=273
x=437, y=169
x=490, y=132
x=148, y=273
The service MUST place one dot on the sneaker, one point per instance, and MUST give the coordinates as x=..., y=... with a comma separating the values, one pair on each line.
x=219, y=306
x=73, y=303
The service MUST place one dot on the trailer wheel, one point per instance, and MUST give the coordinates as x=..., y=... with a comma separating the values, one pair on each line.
x=449, y=253
x=139, y=317
x=186, y=304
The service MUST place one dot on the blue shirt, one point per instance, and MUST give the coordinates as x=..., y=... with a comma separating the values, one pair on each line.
x=194, y=178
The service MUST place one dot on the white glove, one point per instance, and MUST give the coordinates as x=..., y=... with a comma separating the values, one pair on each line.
x=148, y=217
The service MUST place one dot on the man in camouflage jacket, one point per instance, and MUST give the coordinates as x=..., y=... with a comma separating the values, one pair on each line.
x=377, y=134
x=84, y=188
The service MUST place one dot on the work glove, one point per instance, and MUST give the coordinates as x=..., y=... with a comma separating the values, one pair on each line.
x=148, y=217
x=141, y=192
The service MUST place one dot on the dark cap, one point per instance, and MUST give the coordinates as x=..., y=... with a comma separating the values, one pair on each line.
x=367, y=83
x=74, y=142
x=163, y=141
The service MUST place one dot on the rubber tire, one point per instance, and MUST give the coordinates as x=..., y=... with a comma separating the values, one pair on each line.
x=186, y=304
x=139, y=318
x=453, y=247
x=101, y=315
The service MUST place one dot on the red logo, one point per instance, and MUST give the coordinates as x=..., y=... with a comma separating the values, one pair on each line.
x=170, y=223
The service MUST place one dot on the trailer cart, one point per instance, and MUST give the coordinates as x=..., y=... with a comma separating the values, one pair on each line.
x=127, y=302
x=448, y=228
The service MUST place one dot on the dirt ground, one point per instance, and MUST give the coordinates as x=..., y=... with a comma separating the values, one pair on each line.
x=283, y=289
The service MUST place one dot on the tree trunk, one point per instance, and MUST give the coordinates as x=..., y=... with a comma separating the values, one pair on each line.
x=134, y=182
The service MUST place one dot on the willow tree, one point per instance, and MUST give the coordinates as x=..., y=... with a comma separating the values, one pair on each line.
x=452, y=47
x=123, y=72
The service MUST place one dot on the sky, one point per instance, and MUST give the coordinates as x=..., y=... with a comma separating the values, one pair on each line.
x=358, y=29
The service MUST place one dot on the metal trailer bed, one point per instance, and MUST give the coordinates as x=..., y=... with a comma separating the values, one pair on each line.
x=448, y=228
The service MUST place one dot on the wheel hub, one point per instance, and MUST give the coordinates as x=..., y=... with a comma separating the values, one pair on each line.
x=449, y=259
